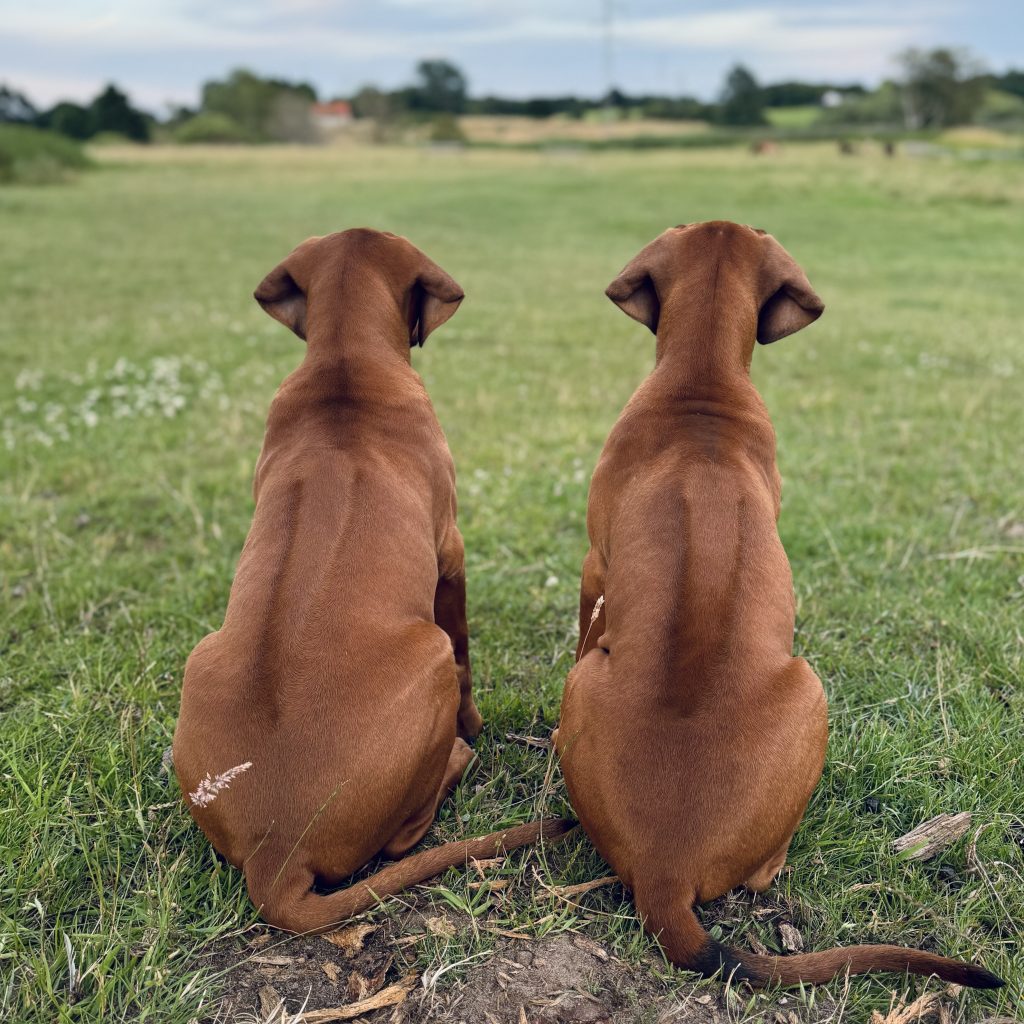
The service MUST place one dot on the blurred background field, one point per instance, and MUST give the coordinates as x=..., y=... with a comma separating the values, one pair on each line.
x=138, y=374
x=927, y=92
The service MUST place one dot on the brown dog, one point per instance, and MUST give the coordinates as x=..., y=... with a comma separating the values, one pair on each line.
x=328, y=717
x=690, y=737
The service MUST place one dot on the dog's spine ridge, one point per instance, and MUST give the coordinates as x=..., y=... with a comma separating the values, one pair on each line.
x=285, y=899
x=689, y=946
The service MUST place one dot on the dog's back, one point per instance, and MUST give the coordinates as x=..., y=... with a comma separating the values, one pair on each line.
x=699, y=579
x=694, y=653
x=330, y=613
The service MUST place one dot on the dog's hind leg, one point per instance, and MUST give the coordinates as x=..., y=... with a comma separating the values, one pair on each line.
x=450, y=615
x=763, y=877
x=416, y=827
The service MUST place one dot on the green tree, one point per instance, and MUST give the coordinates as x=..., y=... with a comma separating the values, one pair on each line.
x=377, y=106
x=440, y=86
x=69, y=119
x=15, y=107
x=742, y=101
x=111, y=112
x=264, y=108
x=1011, y=81
x=939, y=87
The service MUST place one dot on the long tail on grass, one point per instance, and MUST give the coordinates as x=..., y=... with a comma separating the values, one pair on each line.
x=285, y=899
x=689, y=946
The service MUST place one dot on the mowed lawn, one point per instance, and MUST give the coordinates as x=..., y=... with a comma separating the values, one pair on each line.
x=137, y=374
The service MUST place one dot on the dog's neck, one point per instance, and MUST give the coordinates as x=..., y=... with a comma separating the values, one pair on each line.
x=702, y=365
x=357, y=330
x=706, y=332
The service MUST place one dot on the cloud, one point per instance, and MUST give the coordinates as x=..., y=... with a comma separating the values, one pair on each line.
x=308, y=24
x=163, y=47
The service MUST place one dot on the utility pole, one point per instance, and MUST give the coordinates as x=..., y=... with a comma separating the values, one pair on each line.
x=609, y=50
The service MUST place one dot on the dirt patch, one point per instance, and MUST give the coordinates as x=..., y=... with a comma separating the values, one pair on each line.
x=566, y=978
x=261, y=973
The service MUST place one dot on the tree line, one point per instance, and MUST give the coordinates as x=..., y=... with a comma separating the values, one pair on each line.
x=110, y=111
x=935, y=88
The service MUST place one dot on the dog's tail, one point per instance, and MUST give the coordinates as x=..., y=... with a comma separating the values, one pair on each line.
x=281, y=886
x=689, y=946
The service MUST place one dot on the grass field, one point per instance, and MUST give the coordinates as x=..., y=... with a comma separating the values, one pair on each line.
x=138, y=371
x=793, y=117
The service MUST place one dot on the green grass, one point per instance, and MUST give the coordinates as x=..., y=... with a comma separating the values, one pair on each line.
x=138, y=371
x=793, y=117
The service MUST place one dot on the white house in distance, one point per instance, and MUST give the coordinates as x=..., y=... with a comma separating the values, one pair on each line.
x=331, y=117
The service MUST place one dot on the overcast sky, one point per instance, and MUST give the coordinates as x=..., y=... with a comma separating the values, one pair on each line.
x=160, y=51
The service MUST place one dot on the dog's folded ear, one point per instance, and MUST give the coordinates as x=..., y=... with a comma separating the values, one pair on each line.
x=790, y=303
x=433, y=299
x=634, y=293
x=280, y=294
x=283, y=299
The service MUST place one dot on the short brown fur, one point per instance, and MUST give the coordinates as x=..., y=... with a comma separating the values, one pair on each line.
x=342, y=669
x=690, y=738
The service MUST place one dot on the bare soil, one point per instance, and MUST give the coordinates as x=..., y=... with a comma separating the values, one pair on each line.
x=567, y=978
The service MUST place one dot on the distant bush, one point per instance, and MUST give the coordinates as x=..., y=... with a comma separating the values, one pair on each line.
x=682, y=109
x=211, y=128
x=70, y=119
x=34, y=157
x=882, y=107
x=804, y=94
x=999, y=107
x=445, y=128
x=262, y=109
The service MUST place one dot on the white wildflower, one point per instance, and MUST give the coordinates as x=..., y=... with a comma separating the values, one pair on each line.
x=209, y=788
x=28, y=380
x=551, y=581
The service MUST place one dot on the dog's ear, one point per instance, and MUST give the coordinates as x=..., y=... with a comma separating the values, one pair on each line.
x=434, y=298
x=283, y=299
x=281, y=295
x=790, y=303
x=634, y=293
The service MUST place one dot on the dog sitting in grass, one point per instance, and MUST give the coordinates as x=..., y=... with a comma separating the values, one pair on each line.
x=326, y=720
x=690, y=737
